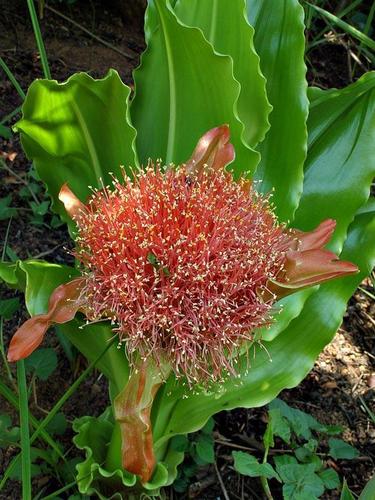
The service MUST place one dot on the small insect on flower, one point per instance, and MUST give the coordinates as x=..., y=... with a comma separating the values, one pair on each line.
x=186, y=262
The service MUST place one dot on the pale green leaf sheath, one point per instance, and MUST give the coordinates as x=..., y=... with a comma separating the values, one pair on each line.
x=225, y=26
x=280, y=43
x=192, y=90
x=77, y=132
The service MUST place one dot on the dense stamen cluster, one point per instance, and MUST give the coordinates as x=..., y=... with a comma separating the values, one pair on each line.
x=179, y=263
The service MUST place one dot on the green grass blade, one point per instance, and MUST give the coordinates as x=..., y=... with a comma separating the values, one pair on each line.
x=56, y=493
x=350, y=30
x=8, y=117
x=25, y=437
x=12, y=399
x=9, y=471
x=67, y=394
x=349, y=8
x=12, y=78
x=39, y=39
x=53, y=412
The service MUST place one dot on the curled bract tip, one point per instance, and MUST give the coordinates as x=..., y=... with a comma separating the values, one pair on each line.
x=62, y=307
x=213, y=151
x=73, y=206
x=307, y=263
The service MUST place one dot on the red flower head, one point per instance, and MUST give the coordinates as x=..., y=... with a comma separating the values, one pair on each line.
x=186, y=262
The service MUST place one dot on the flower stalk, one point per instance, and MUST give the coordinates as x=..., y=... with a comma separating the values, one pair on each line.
x=132, y=408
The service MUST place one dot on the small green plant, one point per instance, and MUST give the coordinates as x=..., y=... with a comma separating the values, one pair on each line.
x=301, y=469
x=199, y=451
x=39, y=202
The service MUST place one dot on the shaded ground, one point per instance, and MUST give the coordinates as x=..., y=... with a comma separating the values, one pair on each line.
x=344, y=375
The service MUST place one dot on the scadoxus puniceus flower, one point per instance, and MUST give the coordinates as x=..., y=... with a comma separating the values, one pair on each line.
x=185, y=261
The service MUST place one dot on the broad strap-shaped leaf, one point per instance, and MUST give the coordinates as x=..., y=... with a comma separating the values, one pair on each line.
x=192, y=90
x=225, y=26
x=339, y=168
x=37, y=279
x=280, y=43
x=340, y=163
x=77, y=132
x=293, y=352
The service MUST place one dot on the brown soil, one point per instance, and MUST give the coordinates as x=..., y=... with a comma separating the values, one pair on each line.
x=344, y=375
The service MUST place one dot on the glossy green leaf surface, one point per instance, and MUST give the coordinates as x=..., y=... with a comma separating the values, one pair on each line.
x=293, y=352
x=192, y=91
x=280, y=43
x=340, y=163
x=77, y=132
x=225, y=26
x=41, y=279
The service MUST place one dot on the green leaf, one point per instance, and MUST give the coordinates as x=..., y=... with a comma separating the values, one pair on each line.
x=280, y=43
x=34, y=468
x=248, y=465
x=232, y=35
x=284, y=460
x=58, y=425
x=301, y=482
x=56, y=222
x=11, y=254
x=286, y=309
x=41, y=279
x=346, y=494
x=300, y=422
x=268, y=440
x=8, y=434
x=9, y=274
x=41, y=208
x=369, y=491
x=330, y=479
x=5, y=210
x=187, y=77
x=205, y=448
x=280, y=425
x=180, y=443
x=209, y=426
x=77, y=132
x=41, y=363
x=339, y=449
x=8, y=307
x=303, y=454
x=5, y=132
x=341, y=137
x=333, y=430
